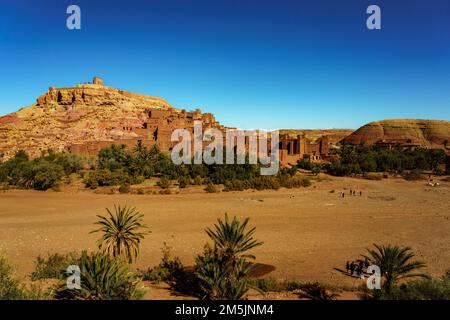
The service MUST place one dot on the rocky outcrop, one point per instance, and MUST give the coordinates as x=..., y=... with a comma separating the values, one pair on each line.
x=87, y=117
x=406, y=132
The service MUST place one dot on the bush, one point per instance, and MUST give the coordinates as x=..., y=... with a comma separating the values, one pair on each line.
x=124, y=188
x=356, y=159
x=164, y=183
x=12, y=289
x=304, y=164
x=372, y=176
x=183, y=182
x=236, y=185
x=210, y=188
x=198, y=181
x=102, y=278
x=269, y=285
x=169, y=270
x=427, y=289
x=42, y=173
x=104, y=177
x=317, y=291
x=165, y=191
x=412, y=175
x=54, y=266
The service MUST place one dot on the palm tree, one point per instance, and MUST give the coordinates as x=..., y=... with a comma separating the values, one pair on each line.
x=121, y=236
x=102, y=278
x=395, y=264
x=140, y=150
x=232, y=238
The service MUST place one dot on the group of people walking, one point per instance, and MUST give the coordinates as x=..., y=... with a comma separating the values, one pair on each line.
x=352, y=193
x=359, y=267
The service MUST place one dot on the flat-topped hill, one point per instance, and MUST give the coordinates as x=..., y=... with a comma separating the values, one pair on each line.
x=425, y=133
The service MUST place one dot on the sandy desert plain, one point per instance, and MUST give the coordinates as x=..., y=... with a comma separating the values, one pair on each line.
x=307, y=232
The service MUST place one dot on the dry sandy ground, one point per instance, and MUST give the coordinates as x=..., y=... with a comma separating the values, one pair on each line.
x=307, y=232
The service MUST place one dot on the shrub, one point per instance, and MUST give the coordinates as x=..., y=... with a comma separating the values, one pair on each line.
x=54, y=266
x=46, y=175
x=183, y=182
x=102, y=278
x=124, y=188
x=164, y=183
x=305, y=182
x=425, y=289
x=317, y=291
x=372, y=176
x=165, y=191
x=210, y=188
x=316, y=169
x=12, y=289
x=170, y=269
x=236, y=185
x=304, y=164
x=41, y=173
x=412, y=175
x=268, y=285
x=198, y=181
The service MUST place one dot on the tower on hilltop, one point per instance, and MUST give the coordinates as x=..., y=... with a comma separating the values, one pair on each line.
x=97, y=80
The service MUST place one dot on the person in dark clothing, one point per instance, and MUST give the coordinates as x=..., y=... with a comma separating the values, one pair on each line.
x=360, y=193
x=352, y=267
x=347, y=266
x=360, y=268
x=366, y=262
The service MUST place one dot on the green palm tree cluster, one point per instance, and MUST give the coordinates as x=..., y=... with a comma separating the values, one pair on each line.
x=232, y=238
x=102, y=278
x=121, y=233
x=396, y=263
x=223, y=269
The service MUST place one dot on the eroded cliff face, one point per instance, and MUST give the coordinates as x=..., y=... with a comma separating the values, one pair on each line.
x=425, y=133
x=80, y=115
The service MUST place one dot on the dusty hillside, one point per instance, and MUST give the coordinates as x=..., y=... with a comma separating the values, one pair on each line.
x=65, y=116
x=427, y=133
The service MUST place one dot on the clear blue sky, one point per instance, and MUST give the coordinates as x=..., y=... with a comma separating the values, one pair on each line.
x=253, y=63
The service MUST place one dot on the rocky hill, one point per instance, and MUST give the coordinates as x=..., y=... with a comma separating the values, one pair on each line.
x=407, y=132
x=76, y=115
